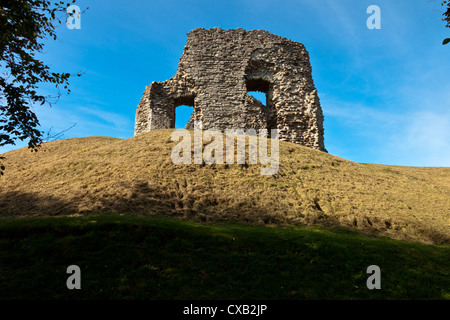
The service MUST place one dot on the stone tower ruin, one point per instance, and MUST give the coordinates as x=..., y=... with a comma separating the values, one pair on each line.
x=215, y=73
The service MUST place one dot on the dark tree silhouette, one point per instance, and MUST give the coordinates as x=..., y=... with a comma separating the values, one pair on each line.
x=446, y=17
x=24, y=24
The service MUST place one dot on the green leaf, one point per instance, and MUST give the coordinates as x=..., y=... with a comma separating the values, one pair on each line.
x=446, y=41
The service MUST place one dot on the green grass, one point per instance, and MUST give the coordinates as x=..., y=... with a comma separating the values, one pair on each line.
x=124, y=257
x=137, y=176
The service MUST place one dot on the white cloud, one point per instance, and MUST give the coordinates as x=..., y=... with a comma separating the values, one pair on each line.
x=352, y=113
x=116, y=120
x=425, y=140
x=90, y=121
x=420, y=138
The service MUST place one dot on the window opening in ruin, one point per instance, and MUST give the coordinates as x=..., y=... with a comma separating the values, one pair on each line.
x=261, y=90
x=182, y=115
x=260, y=96
x=258, y=89
x=184, y=106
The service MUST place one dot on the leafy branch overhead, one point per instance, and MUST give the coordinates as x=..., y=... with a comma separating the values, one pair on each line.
x=446, y=17
x=25, y=24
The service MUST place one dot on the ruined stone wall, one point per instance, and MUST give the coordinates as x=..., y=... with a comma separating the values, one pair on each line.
x=217, y=69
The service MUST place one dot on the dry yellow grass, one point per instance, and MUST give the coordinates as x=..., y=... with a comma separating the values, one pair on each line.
x=137, y=176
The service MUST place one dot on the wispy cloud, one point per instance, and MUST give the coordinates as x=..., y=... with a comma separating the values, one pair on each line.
x=353, y=112
x=424, y=140
x=420, y=138
x=113, y=119
x=90, y=121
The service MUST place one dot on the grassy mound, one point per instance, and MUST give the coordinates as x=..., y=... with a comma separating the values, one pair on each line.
x=136, y=176
x=124, y=257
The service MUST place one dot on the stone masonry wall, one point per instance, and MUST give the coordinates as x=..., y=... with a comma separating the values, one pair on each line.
x=217, y=69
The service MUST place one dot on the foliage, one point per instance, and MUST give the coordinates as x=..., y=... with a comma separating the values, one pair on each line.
x=446, y=17
x=25, y=24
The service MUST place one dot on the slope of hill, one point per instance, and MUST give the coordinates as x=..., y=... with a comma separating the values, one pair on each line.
x=136, y=176
x=162, y=258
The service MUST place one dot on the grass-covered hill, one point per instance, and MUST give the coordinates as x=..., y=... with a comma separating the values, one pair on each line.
x=140, y=227
x=136, y=176
x=155, y=257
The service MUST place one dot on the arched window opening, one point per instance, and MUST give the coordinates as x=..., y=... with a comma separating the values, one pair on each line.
x=258, y=88
x=184, y=106
x=260, y=96
x=262, y=91
x=182, y=115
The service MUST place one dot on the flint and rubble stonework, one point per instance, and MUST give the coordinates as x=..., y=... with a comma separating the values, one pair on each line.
x=215, y=73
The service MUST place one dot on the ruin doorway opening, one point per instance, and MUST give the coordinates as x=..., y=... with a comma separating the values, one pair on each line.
x=262, y=90
x=183, y=109
x=260, y=96
x=182, y=115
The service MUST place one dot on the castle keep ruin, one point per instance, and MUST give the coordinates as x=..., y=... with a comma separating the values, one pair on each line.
x=215, y=73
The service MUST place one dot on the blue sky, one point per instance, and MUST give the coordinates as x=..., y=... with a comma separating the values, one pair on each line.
x=385, y=93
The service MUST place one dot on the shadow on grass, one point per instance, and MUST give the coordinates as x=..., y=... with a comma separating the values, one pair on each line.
x=143, y=199
x=124, y=257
